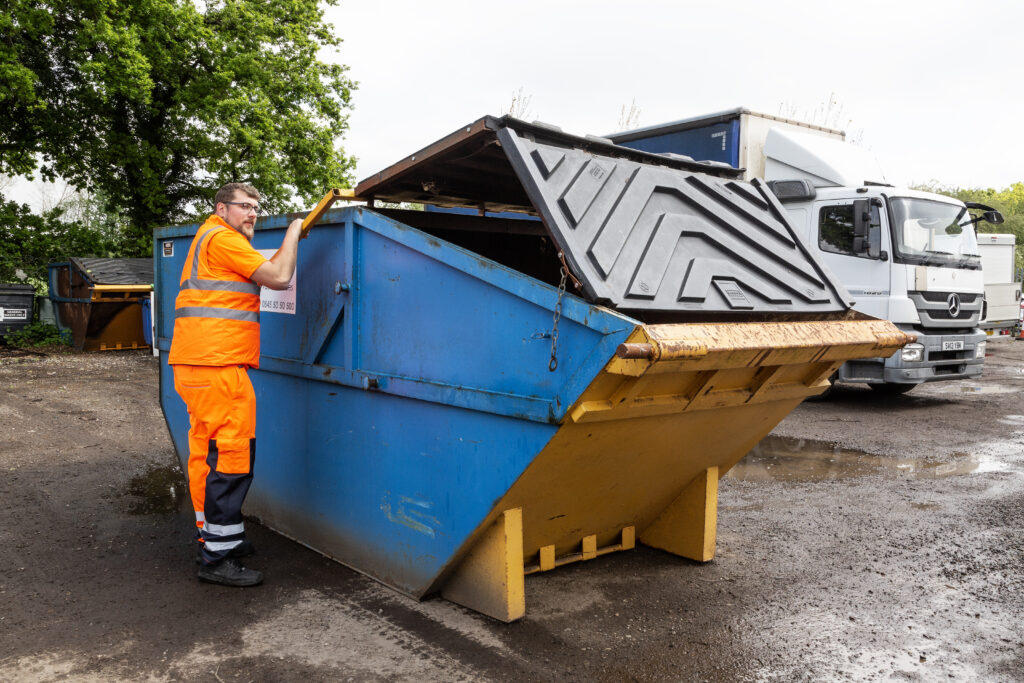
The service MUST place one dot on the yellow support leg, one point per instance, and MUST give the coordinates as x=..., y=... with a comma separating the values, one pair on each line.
x=688, y=526
x=490, y=578
x=547, y=558
x=589, y=547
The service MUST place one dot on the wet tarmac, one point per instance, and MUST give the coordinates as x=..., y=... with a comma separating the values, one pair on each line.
x=869, y=538
x=778, y=458
x=961, y=388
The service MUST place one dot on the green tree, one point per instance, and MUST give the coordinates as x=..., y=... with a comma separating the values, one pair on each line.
x=31, y=241
x=21, y=108
x=153, y=104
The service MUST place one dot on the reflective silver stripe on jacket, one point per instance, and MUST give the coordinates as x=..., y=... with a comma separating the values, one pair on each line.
x=221, y=286
x=195, y=282
x=214, y=312
x=204, y=285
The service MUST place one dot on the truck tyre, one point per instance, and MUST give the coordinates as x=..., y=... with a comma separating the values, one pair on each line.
x=891, y=388
x=823, y=396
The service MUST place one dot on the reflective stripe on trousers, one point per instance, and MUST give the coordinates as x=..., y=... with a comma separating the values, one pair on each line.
x=222, y=449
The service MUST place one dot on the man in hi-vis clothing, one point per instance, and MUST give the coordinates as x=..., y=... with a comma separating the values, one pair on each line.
x=216, y=339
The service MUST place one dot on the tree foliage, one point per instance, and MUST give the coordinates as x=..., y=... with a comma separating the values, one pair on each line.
x=31, y=241
x=629, y=117
x=829, y=114
x=519, y=107
x=153, y=104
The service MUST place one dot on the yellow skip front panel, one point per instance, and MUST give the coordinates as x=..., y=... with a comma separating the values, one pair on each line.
x=640, y=453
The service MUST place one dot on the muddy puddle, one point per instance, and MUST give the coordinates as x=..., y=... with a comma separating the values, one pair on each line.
x=778, y=458
x=159, y=490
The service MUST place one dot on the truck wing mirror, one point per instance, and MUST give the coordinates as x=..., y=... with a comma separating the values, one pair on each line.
x=989, y=214
x=861, y=225
x=993, y=217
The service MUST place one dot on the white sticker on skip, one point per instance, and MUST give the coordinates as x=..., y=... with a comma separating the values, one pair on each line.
x=277, y=301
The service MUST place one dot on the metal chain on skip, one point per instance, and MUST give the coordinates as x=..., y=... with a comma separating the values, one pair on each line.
x=553, y=364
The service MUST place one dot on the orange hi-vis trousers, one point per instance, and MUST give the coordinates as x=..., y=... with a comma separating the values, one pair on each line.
x=222, y=449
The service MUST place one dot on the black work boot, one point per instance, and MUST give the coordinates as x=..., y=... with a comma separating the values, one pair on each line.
x=243, y=549
x=229, y=572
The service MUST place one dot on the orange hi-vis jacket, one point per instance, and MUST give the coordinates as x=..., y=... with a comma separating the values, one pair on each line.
x=216, y=314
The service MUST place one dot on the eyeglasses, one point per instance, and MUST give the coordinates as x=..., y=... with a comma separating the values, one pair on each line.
x=247, y=207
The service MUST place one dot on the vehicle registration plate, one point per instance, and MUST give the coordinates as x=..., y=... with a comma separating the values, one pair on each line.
x=953, y=346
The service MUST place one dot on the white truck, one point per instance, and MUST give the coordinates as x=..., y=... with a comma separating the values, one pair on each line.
x=1002, y=310
x=906, y=256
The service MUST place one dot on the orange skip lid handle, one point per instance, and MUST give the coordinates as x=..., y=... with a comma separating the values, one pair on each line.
x=322, y=206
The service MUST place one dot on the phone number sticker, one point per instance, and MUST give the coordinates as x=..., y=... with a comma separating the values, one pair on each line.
x=278, y=301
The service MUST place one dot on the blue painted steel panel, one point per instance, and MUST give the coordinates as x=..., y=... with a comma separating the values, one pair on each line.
x=404, y=396
x=713, y=142
x=390, y=486
x=147, y=312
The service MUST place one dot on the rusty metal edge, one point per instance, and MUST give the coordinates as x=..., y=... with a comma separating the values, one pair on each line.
x=367, y=186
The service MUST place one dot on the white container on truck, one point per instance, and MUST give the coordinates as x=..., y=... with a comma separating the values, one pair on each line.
x=1001, y=314
x=906, y=256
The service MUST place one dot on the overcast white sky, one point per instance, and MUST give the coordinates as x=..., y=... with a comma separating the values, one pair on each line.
x=933, y=89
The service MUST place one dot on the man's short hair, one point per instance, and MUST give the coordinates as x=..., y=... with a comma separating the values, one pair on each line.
x=227, y=193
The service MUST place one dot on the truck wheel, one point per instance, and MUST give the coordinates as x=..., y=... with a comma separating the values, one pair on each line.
x=891, y=388
x=823, y=396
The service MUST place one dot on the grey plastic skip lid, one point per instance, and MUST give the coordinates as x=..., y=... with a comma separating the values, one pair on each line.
x=640, y=231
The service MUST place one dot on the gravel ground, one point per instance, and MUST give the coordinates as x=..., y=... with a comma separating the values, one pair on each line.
x=869, y=538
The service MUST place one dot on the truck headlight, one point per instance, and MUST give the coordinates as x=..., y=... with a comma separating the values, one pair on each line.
x=912, y=353
x=979, y=350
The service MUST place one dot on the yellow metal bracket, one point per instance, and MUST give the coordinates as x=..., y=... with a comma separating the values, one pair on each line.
x=121, y=347
x=818, y=376
x=490, y=579
x=688, y=526
x=763, y=379
x=546, y=560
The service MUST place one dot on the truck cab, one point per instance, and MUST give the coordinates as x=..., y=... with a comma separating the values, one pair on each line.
x=905, y=256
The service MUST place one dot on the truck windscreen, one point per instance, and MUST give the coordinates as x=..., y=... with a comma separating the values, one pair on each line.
x=934, y=233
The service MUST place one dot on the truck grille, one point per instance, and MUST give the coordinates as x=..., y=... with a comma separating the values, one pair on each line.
x=933, y=297
x=935, y=310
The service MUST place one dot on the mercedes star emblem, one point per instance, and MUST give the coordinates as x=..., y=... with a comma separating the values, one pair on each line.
x=954, y=305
